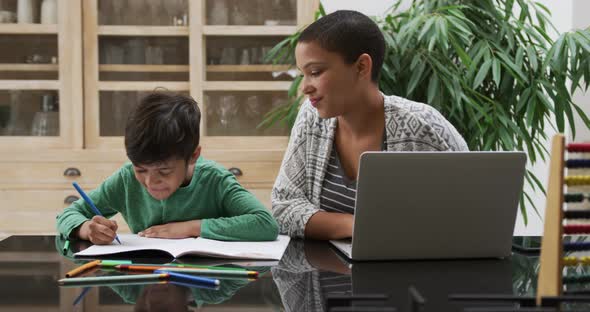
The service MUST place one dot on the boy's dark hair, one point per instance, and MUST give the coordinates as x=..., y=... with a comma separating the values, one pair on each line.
x=161, y=127
x=350, y=34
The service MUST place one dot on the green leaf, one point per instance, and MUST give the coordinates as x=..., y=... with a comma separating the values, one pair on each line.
x=465, y=59
x=481, y=75
x=433, y=88
x=522, y=208
x=530, y=111
x=294, y=88
x=496, y=71
x=427, y=25
x=532, y=55
x=511, y=67
x=519, y=57
x=506, y=139
x=415, y=78
x=558, y=50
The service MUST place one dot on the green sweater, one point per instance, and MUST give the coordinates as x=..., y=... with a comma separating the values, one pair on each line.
x=227, y=211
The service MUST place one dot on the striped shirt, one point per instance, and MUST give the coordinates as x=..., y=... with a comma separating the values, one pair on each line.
x=338, y=191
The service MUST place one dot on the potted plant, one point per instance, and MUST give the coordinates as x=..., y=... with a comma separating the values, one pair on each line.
x=489, y=66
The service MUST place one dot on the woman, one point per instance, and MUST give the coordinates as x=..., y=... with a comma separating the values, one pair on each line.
x=344, y=115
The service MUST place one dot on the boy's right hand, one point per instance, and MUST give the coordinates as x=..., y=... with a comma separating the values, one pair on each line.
x=99, y=230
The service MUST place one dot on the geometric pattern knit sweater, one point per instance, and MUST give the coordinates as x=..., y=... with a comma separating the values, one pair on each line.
x=409, y=126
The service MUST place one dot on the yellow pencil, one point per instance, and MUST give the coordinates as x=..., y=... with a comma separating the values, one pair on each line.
x=82, y=268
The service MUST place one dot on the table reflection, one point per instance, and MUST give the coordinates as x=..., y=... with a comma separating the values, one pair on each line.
x=311, y=276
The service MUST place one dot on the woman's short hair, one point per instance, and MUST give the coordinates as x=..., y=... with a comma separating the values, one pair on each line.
x=350, y=34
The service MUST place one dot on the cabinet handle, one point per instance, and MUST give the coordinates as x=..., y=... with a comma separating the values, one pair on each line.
x=236, y=171
x=70, y=199
x=72, y=172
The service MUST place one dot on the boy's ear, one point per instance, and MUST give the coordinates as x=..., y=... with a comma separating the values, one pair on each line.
x=195, y=155
x=364, y=64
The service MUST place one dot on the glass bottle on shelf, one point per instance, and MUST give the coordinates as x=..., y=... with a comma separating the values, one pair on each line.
x=275, y=13
x=118, y=7
x=15, y=124
x=228, y=107
x=156, y=7
x=49, y=12
x=26, y=11
x=46, y=122
x=254, y=112
x=238, y=16
x=219, y=13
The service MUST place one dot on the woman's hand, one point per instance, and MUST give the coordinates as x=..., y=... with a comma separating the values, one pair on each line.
x=99, y=230
x=173, y=230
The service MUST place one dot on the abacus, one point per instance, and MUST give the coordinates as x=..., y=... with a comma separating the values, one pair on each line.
x=562, y=219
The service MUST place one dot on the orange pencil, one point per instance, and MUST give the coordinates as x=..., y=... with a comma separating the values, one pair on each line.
x=83, y=268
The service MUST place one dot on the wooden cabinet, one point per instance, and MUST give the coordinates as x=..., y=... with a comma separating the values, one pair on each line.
x=66, y=90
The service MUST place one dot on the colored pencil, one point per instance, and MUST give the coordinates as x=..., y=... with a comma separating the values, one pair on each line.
x=66, y=246
x=182, y=265
x=195, y=271
x=81, y=295
x=110, y=279
x=90, y=203
x=114, y=263
x=82, y=268
x=190, y=279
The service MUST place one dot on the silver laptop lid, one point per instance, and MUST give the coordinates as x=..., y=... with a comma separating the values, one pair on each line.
x=425, y=205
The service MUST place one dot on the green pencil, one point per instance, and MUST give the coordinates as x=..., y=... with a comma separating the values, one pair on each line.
x=113, y=263
x=182, y=265
x=195, y=271
x=121, y=283
x=112, y=278
x=66, y=246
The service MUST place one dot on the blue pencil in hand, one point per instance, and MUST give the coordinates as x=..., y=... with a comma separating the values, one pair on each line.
x=89, y=202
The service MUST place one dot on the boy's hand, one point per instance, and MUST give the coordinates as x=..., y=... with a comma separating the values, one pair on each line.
x=173, y=230
x=99, y=230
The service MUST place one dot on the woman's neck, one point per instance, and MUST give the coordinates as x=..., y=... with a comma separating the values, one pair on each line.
x=368, y=118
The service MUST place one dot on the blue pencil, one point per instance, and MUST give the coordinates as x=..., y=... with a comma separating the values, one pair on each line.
x=89, y=201
x=185, y=278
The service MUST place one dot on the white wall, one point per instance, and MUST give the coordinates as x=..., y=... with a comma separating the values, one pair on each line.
x=581, y=20
x=566, y=14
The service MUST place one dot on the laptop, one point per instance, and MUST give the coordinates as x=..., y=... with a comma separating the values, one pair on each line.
x=435, y=205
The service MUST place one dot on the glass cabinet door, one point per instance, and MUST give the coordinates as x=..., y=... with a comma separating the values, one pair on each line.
x=36, y=87
x=210, y=49
x=251, y=12
x=240, y=113
x=240, y=88
x=134, y=47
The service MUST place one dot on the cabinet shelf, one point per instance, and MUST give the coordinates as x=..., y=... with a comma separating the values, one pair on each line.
x=151, y=31
x=142, y=85
x=246, y=85
x=142, y=68
x=158, y=68
x=28, y=29
x=247, y=68
x=29, y=67
x=249, y=30
x=29, y=85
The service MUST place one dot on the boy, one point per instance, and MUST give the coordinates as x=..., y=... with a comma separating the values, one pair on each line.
x=167, y=190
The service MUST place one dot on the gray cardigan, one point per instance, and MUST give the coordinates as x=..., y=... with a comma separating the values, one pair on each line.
x=410, y=126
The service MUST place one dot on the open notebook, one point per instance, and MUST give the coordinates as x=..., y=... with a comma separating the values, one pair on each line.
x=270, y=250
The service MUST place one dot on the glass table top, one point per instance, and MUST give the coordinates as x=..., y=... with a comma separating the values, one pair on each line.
x=311, y=276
